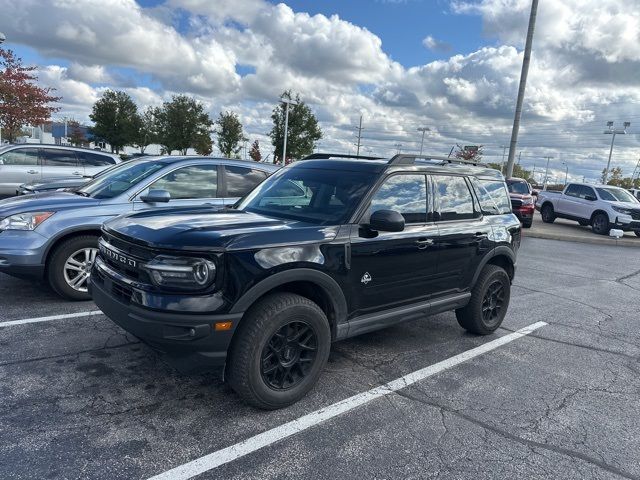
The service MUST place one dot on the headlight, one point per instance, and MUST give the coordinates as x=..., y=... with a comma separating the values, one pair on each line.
x=24, y=221
x=181, y=272
x=626, y=211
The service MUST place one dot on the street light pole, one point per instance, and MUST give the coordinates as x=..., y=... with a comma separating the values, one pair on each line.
x=566, y=172
x=288, y=102
x=423, y=130
x=613, y=132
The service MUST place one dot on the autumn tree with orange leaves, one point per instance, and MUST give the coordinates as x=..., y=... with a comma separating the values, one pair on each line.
x=22, y=101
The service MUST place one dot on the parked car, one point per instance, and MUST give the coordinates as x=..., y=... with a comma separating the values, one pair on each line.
x=602, y=206
x=55, y=235
x=522, y=200
x=635, y=192
x=28, y=162
x=321, y=251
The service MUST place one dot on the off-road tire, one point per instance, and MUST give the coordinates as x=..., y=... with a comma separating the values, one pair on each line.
x=56, y=263
x=258, y=326
x=471, y=316
x=547, y=213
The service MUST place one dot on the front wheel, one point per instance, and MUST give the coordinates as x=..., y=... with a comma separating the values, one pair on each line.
x=489, y=302
x=600, y=224
x=281, y=348
x=637, y=233
x=547, y=213
x=69, y=267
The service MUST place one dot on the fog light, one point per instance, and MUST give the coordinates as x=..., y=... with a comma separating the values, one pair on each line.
x=222, y=326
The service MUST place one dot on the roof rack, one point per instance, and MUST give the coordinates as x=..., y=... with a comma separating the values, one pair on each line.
x=326, y=156
x=410, y=159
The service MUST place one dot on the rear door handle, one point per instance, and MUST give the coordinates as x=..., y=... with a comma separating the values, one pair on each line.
x=423, y=243
x=32, y=172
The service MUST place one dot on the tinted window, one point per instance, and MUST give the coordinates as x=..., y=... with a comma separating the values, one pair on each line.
x=120, y=179
x=587, y=192
x=197, y=181
x=518, y=186
x=494, y=199
x=58, y=158
x=330, y=197
x=406, y=194
x=455, y=200
x=573, y=190
x=612, y=194
x=241, y=181
x=94, y=159
x=20, y=156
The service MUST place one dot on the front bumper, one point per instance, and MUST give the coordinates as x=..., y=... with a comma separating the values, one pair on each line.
x=626, y=223
x=524, y=213
x=188, y=341
x=22, y=253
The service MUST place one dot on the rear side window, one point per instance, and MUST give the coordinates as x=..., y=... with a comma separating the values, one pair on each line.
x=58, y=158
x=20, y=156
x=241, y=181
x=454, y=199
x=406, y=194
x=89, y=159
x=494, y=199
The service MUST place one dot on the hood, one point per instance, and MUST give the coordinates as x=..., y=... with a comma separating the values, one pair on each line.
x=629, y=205
x=52, y=201
x=206, y=229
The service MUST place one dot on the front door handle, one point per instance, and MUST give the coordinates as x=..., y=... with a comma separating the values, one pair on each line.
x=32, y=172
x=77, y=173
x=423, y=243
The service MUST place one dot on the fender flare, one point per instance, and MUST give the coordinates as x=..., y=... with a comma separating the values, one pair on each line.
x=322, y=280
x=500, y=250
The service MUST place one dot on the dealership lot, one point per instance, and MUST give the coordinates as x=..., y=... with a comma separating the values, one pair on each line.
x=79, y=398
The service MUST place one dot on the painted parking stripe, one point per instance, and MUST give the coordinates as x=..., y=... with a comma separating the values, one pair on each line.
x=250, y=445
x=51, y=318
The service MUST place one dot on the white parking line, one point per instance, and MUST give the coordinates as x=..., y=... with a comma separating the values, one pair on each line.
x=250, y=445
x=51, y=318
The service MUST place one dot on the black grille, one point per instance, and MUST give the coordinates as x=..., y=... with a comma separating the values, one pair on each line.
x=133, y=252
x=515, y=203
x=635, y=214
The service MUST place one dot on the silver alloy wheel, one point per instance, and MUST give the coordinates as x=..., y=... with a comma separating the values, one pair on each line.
x=77, y=268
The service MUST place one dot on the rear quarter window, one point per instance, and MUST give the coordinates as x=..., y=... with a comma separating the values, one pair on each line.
x=493, y=196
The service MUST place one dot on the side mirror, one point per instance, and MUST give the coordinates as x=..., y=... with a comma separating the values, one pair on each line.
x=386, y=221
x=591, y=198
x=156, y=196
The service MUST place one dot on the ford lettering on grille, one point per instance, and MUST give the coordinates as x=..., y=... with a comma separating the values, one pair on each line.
x=116, y=256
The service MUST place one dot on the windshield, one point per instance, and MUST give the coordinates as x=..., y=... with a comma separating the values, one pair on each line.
x=613, y=194
x=310, y=195
x=519, y=187
x=120, y=179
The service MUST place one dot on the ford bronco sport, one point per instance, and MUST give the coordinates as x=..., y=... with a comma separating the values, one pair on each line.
x=321, y=251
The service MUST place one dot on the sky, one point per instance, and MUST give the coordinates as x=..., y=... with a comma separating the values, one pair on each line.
x=450, y=65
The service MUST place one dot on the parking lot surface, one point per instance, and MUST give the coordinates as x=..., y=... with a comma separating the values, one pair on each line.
x=570, y=231
x=80, y=398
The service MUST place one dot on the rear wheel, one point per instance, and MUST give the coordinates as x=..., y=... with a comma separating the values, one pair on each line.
x=548, y=215
x=489, y=302
x=69, y=266
x=280, y=351
x=600, y=224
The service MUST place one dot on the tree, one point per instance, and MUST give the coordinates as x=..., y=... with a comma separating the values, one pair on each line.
x=518, y=171
x=254, y=153
x=116, y=119
x=182, y=123
x=203, y=145
x=76, y=134
x=303, y=132
x=472, y=154
x=22, y=101
x=229, y=131
x=614, y=177
x=145, y=129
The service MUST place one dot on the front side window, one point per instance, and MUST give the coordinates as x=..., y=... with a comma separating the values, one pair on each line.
x=587, y=192
x=322, y=197
x=120, y=179
x=58, y=158
x=573, y=190
x=241, y=181
x=196, y=181
x=613, y=194
x=406, y=194
x=454, y=198
x=20, y=156
x=494, y=199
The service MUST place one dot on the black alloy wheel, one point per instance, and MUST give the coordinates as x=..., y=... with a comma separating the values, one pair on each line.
x=288, y=356
x=493, y=303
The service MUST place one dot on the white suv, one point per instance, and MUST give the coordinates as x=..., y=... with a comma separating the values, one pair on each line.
x=602, y=206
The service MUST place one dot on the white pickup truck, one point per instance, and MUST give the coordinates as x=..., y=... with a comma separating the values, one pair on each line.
x=602, y=206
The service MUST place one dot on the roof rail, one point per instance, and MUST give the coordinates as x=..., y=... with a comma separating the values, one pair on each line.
x=326, y=156
x=410, y=159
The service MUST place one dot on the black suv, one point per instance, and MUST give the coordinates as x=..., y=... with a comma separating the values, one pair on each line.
x=321, y=251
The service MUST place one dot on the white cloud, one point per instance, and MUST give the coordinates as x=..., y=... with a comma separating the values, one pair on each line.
x=435, y=45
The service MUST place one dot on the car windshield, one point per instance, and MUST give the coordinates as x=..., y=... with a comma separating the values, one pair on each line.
x=518, y=187
x=316, y=196
x=613, y=194
x=120, y=179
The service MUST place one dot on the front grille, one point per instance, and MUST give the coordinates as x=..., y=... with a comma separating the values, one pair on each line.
x=130, y=257
x=635, y=214
x=516, y=203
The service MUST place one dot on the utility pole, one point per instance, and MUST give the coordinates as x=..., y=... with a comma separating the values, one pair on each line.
x=287, y=102
x=423, y=130
x=359, y=128
x=398, y=147
x=504, y=152
x=613, y=132
x=519, y=157
x=533, y=174
x=523, y=83
x=566, y=172
x=546, y=173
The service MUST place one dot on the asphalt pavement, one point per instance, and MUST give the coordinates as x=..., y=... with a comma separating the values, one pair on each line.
x=79, y=398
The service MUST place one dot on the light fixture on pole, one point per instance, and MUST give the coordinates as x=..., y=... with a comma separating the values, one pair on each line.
x=423, y=130
x=613, y=132
x=287, y=102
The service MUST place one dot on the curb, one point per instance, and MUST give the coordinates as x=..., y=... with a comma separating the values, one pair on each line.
x=595, y=240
